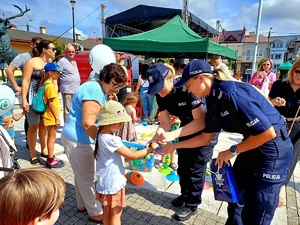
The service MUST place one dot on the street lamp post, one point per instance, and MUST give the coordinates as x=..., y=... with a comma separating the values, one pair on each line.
x=73, y=2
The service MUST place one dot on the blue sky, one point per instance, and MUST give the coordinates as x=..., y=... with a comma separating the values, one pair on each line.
x=56, y=15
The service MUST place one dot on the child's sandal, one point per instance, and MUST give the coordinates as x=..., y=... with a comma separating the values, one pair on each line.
x=159, y=165
x=173, y=166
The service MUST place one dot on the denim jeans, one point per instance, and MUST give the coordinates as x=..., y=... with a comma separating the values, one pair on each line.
x=147, y=101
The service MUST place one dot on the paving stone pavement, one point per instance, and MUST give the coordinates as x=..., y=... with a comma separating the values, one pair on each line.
x=150, y=204
x=143, y=206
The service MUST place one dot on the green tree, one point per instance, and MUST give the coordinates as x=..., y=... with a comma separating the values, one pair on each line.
x=59, y=46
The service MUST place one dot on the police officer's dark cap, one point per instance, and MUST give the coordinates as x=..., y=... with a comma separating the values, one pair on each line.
x=156, y=75
x=192, y=69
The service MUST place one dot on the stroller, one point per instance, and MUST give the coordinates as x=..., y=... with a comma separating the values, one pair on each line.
x=8, y=160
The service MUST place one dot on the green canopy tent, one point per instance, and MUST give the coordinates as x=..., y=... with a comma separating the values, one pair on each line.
x=285, y=66
x=173, y=39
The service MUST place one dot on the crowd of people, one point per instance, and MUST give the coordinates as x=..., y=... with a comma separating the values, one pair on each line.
x=204, y=97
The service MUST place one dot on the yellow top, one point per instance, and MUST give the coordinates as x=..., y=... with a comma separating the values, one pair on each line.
x=51, y=93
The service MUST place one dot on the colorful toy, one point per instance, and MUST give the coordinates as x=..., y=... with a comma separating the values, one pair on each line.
x=144, y=135
x=136, y=145
x=172, y=176
x=151, y=134
x=145, y=123
x=207, y=172
x=135, y=178
x=144, y=164
x=165, y=169
x=167, y=160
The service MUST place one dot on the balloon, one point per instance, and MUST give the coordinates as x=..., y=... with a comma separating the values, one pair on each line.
x=7, y=99
x=101, y=55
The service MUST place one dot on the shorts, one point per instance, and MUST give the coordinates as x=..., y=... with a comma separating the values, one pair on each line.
x=114, y=200
x=33, y=118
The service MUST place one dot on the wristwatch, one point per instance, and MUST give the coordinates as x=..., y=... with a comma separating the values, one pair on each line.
x=233, y=150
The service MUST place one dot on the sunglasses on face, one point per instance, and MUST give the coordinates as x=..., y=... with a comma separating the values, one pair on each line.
x=297, y=71
x=266, y=64
x=53, y=49
x=116, y=85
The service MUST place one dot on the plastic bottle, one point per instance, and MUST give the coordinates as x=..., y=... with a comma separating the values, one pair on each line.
x=167, y=160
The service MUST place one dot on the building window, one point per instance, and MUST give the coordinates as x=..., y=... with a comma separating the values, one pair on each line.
x=287, y=44
x=248, y=52
x=277, y=56
x=272, y=56
x=274, y=45
x=259, y=53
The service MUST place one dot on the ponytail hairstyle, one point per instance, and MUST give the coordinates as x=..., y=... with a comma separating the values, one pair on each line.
x=44, y=76
x=224, y=74
x=97, y=144
x=171, y=70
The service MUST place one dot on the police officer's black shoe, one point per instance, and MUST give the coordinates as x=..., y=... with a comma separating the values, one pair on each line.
x=178, y=202
x=184, y=213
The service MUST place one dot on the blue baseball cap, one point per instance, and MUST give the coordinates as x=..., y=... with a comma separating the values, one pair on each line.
x=156, y=75
x=192, y=69
x=52, y=67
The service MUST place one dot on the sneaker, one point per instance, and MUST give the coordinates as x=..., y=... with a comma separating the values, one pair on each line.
x=184, y=213
x=178, y=202
x=35, y=162
x=55, y=164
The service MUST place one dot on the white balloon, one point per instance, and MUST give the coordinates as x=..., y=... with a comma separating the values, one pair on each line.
x=7, y=99
x=101, y=55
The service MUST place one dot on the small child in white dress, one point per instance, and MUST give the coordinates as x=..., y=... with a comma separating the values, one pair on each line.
x=109, y=166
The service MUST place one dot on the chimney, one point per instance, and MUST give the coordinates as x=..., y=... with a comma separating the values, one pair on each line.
x=78, y=37
x=43, y=30
x=244, y=31
x=252, y=33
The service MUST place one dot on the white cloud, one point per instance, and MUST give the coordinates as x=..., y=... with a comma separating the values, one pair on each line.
x=56, y=15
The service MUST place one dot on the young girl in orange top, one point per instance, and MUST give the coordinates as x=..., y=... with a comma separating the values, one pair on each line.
x=51, y=116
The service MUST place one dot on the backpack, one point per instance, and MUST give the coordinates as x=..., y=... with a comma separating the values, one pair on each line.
x=38, y=104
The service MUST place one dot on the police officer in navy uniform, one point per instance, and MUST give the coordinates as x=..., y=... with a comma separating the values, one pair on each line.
x=264, y=154
x=192, y=163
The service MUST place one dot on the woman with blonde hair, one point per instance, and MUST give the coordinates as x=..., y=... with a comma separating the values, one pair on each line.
x=263, y=72
x=285, y=96
x=192, y=163
x=265, y=152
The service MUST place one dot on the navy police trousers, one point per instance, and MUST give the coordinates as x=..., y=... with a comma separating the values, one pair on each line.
x=259, y=174
x=191, y=170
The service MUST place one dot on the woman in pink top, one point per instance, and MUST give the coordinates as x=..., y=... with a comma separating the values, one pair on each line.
x=263, y=71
